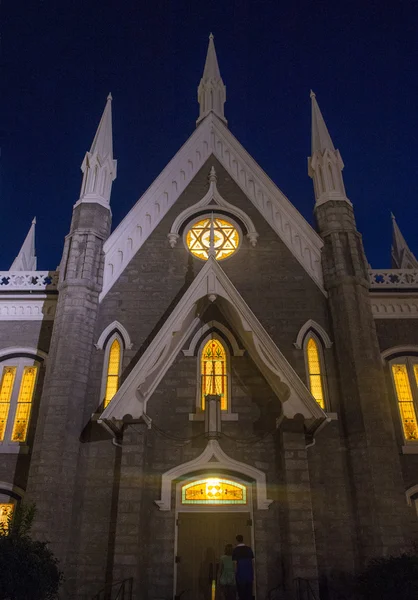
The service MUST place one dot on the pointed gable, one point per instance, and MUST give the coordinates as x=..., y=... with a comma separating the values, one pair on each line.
x=211, y=138
x=212, y=285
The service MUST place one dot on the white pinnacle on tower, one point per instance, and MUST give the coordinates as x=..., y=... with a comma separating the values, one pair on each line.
x=325, y=164
x=99, y=167
x=26, y=259
x=211, y=92
x=402, y=256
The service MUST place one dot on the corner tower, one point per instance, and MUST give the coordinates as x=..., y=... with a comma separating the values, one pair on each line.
x=53, y=470
x=378, y=502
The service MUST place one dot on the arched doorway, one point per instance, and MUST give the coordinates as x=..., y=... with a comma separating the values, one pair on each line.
x=211, y=509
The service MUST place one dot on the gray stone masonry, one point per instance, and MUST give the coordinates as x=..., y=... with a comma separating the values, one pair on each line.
x=53, y=470
x=301, y=555
x=373, y=457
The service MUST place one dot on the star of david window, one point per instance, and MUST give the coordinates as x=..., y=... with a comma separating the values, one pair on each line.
x=212, y=233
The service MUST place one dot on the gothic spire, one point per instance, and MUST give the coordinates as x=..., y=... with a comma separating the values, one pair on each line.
x=99, y=167
x=321, y=139
x=325, y=164
x=211, y=92
x=26, y=259
x=402, y=257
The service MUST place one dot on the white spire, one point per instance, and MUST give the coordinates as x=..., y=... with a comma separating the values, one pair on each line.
x=321, y=139
x=211, y=92
x=402, y=257
x=98, y=167
x=325, y=165
x=26, y=259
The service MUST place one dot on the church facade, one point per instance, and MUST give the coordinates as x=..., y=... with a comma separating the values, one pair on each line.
x=212, y=367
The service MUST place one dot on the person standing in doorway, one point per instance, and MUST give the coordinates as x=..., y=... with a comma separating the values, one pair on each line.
x=243, y=559
x=227, y=574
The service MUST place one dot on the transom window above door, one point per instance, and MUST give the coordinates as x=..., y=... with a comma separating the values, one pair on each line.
x=214, y=491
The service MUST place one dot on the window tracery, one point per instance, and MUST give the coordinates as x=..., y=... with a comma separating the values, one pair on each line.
x=214, y=374
x=405, y=379
x=214, y=491
x=212, y=232
x=17, y=388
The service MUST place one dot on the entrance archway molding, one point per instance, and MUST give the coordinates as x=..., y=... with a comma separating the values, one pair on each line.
x=213, y=456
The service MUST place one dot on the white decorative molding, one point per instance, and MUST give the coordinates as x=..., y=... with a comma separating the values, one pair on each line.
x=13, y=308
x=394, y=306
x=28, y=280
x=9, y=487
x=410, y=448
x=410, y=493
x=213, y=457
x=114, y=326
x=393, y=278
x=21, y=351
x=404, y=350
x=211, y=138
x=236, y=350
x=212, y=282
x=212, y=201
x=314, y=326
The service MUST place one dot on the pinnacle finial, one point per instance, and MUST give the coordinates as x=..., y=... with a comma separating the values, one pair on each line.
x=312, y=94
x=26, y=259
x=321, y=139
x=34, y=221
x=402, y=256
x=392, y=216
x=109, y=96
x=103, y=140
x=211, y=92
x=212, y=175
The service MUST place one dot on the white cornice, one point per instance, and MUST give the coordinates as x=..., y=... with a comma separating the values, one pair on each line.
x=212, y=284
x=394, y=306
x=211, y=137
x=27, y=308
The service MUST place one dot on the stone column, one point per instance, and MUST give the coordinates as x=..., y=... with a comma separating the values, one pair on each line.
x=299, y=543
x=130, y=535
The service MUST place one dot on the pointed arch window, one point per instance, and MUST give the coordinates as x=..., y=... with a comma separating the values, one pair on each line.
x=405, y=380
x=314, y=364
x=18, y=378
x=112, y=368
x=214, y=372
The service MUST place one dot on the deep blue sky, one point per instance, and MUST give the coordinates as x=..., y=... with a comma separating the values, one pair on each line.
x=61, y=58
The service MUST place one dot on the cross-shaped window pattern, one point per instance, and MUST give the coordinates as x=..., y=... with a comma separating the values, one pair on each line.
x=214, y=372
x=225, y=238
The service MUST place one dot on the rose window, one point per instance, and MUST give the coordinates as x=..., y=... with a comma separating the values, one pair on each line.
x=212, y=234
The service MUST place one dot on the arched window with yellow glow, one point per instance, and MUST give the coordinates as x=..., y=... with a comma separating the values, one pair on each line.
x=405, y=378
x=214, y=374
x=17, y=389
x=315, y=370
x=113, y=366
x=214, y=231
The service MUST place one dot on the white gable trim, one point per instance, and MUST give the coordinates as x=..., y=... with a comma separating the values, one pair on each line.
x=114, y=326
x=314, y=326
x=211, y=137
x=212, y=284
x=191, y=350
x=222, y=462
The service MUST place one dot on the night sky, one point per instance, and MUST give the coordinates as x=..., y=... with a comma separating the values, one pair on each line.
x=61, y=58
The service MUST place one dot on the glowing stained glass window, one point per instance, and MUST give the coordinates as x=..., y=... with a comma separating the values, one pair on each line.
x=24, y=404
x=6, y=512
x=6, y=389
x=315, y=374
x=214, y=373
x=225, y=238
x=112, y=378
x=214, y=491
x=405, y=400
